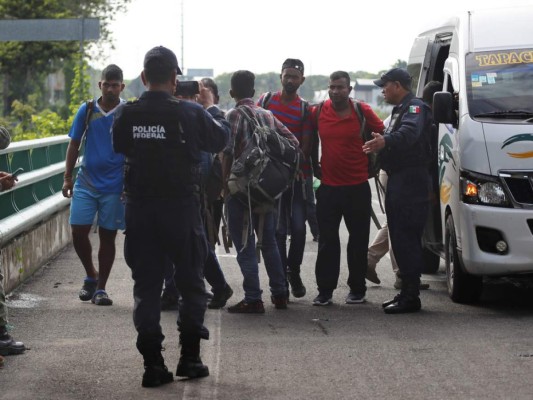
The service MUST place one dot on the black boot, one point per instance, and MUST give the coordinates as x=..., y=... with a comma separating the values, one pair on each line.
x=408, y=300
x=190, y=364
x=8, y=346
x=297, y=286
x=155, y=370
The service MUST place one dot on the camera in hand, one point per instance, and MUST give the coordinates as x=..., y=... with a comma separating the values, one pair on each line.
x=187, y=88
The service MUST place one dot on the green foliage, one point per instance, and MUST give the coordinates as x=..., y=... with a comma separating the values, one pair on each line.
x=79, y=91
x=48, y=123
x=32, y=125
x=23, y=113
x=25, y=65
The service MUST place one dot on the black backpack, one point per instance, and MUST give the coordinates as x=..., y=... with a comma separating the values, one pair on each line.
x=266, y=167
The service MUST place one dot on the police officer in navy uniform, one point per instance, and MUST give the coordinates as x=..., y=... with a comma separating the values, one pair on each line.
x=404, y=153
x=161, y=138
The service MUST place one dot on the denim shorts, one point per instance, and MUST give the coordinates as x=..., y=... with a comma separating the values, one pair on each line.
x=86, y=204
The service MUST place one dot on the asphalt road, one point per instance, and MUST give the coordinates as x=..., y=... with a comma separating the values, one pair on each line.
x=447, y=351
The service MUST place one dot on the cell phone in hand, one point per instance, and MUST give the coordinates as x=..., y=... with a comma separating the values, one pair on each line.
x=187, y=88
x=16, y=172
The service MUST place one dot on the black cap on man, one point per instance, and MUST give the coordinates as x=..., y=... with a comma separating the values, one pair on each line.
x=293, y=63
x=159, y=62
x=395, y=75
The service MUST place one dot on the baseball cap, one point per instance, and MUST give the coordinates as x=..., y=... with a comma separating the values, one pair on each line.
x=395, y=75
x=293, y=63
x=5, y=138
x=163, y=58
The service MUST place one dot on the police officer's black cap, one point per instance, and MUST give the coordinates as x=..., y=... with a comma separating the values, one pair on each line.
x=395, y=75
x=162, y=57
x=293, y=63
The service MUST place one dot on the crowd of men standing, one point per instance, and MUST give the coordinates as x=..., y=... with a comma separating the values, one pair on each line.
x=147, y=177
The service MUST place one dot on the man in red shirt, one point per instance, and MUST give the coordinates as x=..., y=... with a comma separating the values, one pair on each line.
x=344, y=191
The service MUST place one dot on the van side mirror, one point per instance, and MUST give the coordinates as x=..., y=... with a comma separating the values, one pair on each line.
x=443, y=112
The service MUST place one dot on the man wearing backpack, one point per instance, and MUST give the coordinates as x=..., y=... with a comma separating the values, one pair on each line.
x=344, y=191
x=99, y=185
x=239, y=213
x=289, y=108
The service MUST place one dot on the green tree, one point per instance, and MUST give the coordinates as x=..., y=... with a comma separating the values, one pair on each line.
x=24, y=65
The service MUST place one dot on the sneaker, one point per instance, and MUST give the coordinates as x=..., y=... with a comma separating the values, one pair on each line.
x=242, y=307
x=355, y=298
x=220, y=298
x=169, y=301
x=280, y=302
x=88, y=289
x=322, y=300
x=101, y=298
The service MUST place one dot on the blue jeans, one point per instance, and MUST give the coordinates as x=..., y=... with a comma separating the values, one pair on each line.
x=291, y=218
x=246, y=256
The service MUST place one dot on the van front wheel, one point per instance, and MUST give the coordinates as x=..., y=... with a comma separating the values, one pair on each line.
x=462, y=287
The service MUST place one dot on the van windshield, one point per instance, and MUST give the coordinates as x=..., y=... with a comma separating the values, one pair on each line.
x=500, y=84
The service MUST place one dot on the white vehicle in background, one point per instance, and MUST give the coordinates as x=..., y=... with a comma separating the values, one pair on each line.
x=483, y=171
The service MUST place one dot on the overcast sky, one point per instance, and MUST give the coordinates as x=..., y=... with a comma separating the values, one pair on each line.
x=227, y=35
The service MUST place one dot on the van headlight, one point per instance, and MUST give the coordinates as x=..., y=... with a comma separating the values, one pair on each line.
x=483, y=190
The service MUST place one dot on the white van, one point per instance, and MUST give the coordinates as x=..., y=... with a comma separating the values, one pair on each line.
x=483, y=173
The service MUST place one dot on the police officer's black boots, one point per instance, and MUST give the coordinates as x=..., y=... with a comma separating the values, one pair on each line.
x=155, y=370
x=190, y=364
x=407, y=301
x=297, y=286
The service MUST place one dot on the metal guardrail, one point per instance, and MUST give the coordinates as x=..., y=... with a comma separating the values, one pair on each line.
x=37, y=194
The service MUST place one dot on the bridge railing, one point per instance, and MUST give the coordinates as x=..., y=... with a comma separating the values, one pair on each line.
x=37, y=194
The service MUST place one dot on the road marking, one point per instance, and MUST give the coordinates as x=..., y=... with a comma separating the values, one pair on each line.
x=207, y=388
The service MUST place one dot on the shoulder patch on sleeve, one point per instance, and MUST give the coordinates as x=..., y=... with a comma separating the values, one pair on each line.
x=414, y=109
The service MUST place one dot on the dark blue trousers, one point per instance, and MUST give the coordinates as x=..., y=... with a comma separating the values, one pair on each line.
x=353, y=204
x=157, y=230
x=406, y=205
